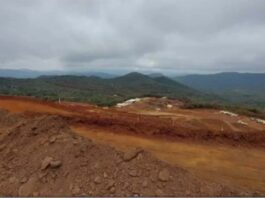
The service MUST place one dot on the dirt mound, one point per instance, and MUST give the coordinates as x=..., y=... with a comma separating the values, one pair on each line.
x=41, y=156
x=8, y=119
x=150, y=103
x=174, y=124
x=151, y=126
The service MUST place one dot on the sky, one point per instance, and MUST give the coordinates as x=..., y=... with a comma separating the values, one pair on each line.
x=168, y=36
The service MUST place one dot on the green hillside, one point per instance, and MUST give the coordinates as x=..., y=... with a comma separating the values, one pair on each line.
x=98, y=90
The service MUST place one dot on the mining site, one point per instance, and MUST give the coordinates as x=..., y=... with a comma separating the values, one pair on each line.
x=142, y=147
x=132, y=98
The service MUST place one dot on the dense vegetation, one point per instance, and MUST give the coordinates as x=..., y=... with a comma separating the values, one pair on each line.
x=98, y=90
x=235, y=88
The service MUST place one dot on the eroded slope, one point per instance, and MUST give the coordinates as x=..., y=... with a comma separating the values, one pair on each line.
x=41, y=156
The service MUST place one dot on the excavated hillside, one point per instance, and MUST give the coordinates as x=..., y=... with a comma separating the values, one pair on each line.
x=41, y=156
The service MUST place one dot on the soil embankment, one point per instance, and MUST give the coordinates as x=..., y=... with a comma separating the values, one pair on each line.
x=209, y=146
x=203, y=126
x=41, y=156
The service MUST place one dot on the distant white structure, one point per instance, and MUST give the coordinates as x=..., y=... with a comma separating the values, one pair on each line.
x=242, y=122
x=260, y=121
x=128, y=102
x=229, y=113
x=169, y=106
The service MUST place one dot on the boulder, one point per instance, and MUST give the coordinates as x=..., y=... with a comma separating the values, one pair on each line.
x=131, y=154
x=163, y=175
x=46, y=162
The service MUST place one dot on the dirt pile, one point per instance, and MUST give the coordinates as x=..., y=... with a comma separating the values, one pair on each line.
x=151, y=126
x=198, y=126
x=150, y=103
x=41, y=156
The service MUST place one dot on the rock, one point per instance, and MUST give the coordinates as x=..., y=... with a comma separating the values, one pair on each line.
x=55, y=164
x=153, y=178
x=13, y=180
x=133, y=173
x=97, y=180
x=23, y=180
x=145, y=183
x=110, y=184
x=112, y=190
x=46, y=162
x=105, y=175
x=83, y=148
x=126, y=185
x=52, y=139
x=159, y=192
x=54, y=175
x=129, y=155
x=187, y=193
x=163, y=175
x=96, y=165
x=42, y=175
x=118, y=161
x=27, y=189
x=66, y=174
x=75, y=190
x=42, y=142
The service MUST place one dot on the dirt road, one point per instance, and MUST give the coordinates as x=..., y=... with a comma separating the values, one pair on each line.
x=212, y=146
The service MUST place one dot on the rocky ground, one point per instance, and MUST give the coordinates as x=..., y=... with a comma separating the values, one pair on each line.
x=41, y=156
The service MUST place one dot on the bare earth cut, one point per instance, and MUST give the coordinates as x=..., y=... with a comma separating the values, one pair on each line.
x=151, y=147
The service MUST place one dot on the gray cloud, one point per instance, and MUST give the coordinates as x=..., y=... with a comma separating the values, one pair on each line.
x=156, y=35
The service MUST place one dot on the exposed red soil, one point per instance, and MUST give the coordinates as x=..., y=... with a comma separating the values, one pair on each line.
x=207, y=126
x=41, y=156
x=143, y=119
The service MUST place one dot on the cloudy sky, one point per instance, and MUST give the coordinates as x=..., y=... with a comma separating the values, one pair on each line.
x=170, y=36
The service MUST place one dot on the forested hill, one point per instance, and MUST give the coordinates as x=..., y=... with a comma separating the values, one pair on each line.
x=98, y=90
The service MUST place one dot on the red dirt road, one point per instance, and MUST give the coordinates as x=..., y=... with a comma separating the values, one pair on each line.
x=204, y=126
x=213, y=146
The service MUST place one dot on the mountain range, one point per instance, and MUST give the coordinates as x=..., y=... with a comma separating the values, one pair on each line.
x=26, y=73
x=97, y=90
x=245, y=89
x=237, y=88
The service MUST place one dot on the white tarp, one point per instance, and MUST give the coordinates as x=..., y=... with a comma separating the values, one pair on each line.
x=229, y=113
x=128, y=102
x=260, y=121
